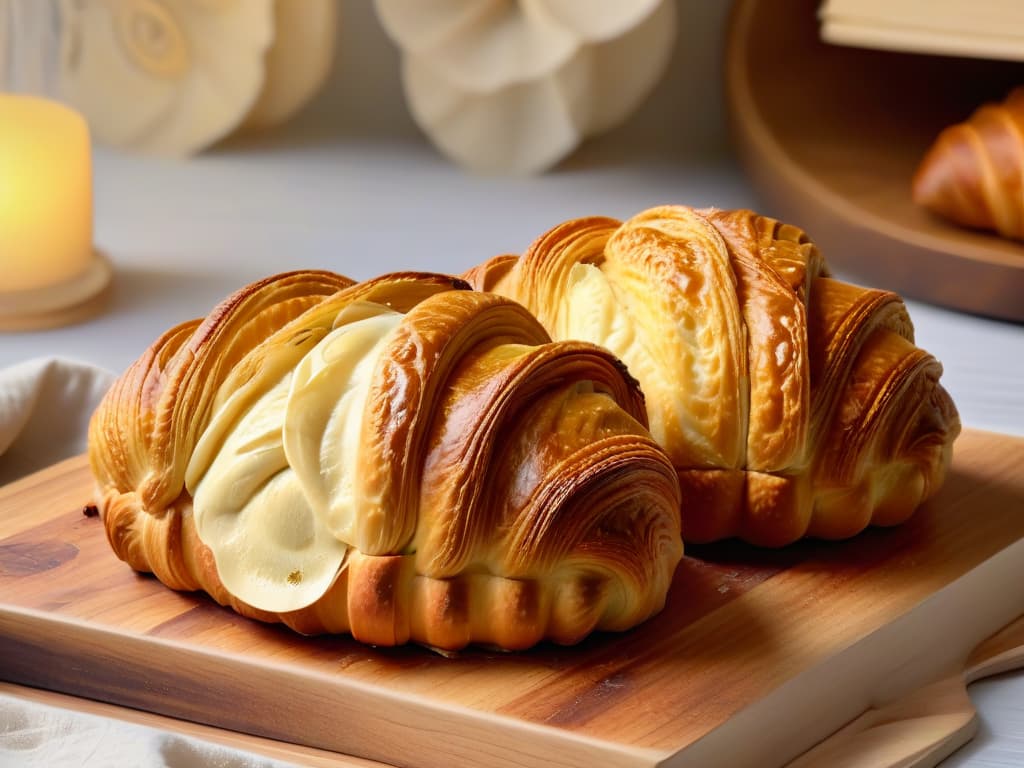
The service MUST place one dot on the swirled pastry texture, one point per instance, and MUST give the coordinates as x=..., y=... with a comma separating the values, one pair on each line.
x=973, y=174
x=402, y=459
x=791, y=403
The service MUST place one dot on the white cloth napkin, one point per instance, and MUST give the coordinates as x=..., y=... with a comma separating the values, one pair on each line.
x=45, y=405
x=34, y=735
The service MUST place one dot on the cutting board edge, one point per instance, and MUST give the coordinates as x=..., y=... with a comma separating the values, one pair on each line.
x=22, y=634
x=790, y=741
x=927, y=725
x=63, y=466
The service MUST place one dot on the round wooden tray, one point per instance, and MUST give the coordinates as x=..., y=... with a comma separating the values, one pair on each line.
x=831, y=136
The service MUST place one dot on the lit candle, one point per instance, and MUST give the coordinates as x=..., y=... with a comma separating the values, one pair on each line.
x=45, y=194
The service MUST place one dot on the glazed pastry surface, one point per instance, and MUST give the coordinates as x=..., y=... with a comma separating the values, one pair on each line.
x=973, y=174
x=791, y=404
x=402, y=459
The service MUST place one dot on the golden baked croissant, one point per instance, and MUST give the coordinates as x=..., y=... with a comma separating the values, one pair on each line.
x=973, y=174
x=403, y=459
x=790, y=403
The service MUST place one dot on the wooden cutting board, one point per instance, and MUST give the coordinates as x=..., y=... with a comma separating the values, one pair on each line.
x=757, y=657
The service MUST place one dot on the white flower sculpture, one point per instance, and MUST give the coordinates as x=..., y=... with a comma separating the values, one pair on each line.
x=516, y=85
x=174, y=76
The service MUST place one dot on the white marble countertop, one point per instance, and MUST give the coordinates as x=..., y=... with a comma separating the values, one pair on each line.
x=351, y=186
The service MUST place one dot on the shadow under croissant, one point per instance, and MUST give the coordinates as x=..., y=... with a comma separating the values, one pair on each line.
x=701, y=585
x=709, y=577
x=872, y=547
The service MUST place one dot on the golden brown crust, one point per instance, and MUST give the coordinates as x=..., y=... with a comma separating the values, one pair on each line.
x=973, y=174
x=776, y=343
x=791, y=404
x=517, y=493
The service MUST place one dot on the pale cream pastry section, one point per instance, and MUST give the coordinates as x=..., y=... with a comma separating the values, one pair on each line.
x=404, y=459
x=276, y=506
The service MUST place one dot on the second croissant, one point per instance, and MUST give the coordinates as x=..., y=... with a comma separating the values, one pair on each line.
x=792, y=404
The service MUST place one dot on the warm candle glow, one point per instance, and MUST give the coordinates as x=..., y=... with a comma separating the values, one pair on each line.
x=45, y=193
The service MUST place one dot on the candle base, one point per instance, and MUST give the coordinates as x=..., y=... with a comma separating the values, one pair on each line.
x=69, y=301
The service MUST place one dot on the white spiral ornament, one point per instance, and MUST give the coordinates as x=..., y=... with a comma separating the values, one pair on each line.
x=516, y=85
x=168, y=77
x=175, y=76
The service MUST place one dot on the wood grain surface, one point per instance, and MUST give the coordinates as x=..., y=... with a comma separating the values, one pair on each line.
x=757, y=656
x=831, y=136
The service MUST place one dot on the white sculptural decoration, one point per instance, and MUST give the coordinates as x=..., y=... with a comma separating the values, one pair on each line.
x=516, y=85
x=175, y=76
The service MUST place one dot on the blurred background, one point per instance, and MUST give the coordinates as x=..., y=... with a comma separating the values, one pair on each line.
x=352, y=184
x=615, y=108
x=358, y=181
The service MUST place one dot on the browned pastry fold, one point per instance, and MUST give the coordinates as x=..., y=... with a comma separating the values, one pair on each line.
x=790, y=403
x=493, y=487
x=973, y=174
